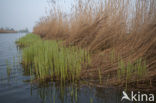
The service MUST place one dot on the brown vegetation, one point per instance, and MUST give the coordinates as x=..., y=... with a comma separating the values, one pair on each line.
x=111, y=30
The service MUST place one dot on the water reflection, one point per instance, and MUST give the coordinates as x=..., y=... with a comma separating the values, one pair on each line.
x=16, y=85
x=72, y=93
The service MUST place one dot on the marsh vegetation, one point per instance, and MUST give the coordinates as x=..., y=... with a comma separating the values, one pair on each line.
x=18, y=85
x=49, y=59
x=118, y=34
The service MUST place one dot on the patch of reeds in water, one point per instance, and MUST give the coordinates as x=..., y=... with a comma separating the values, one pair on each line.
x=127, y=26
x=50, y=59
x=27, y=40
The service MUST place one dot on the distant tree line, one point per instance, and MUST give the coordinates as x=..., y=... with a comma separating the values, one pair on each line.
x=10, y=30
x=7, y=29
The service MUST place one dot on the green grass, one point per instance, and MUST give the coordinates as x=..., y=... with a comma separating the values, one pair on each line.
x=49, y=58
x=27, y=40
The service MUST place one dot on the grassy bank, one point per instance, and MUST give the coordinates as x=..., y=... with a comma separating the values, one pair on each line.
x=120, y=34
x=49, y=59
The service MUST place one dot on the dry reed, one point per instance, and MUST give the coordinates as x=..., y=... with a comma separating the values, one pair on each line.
x=127, y=27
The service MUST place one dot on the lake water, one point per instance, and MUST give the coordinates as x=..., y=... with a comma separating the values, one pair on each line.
x=16, y=88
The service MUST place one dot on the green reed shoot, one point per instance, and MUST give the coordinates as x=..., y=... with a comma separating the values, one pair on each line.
x=8, y=68
x=91, y=100
x=100, y=75
x=127, y=70
x=112, y=56
x=50, y=59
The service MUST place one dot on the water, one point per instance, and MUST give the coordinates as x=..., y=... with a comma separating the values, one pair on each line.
x=15, y=85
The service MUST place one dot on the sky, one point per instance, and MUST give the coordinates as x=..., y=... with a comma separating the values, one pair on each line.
x=21, y=14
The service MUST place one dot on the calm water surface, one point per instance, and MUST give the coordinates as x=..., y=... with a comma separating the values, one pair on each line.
x=16, y=88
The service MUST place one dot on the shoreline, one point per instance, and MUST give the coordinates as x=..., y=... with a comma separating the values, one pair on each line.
x=103, y=77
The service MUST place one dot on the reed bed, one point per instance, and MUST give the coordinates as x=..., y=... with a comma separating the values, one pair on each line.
x=49, y=59
x=127, y=27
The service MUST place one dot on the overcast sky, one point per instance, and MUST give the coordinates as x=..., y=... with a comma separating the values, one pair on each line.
x=20, y=14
